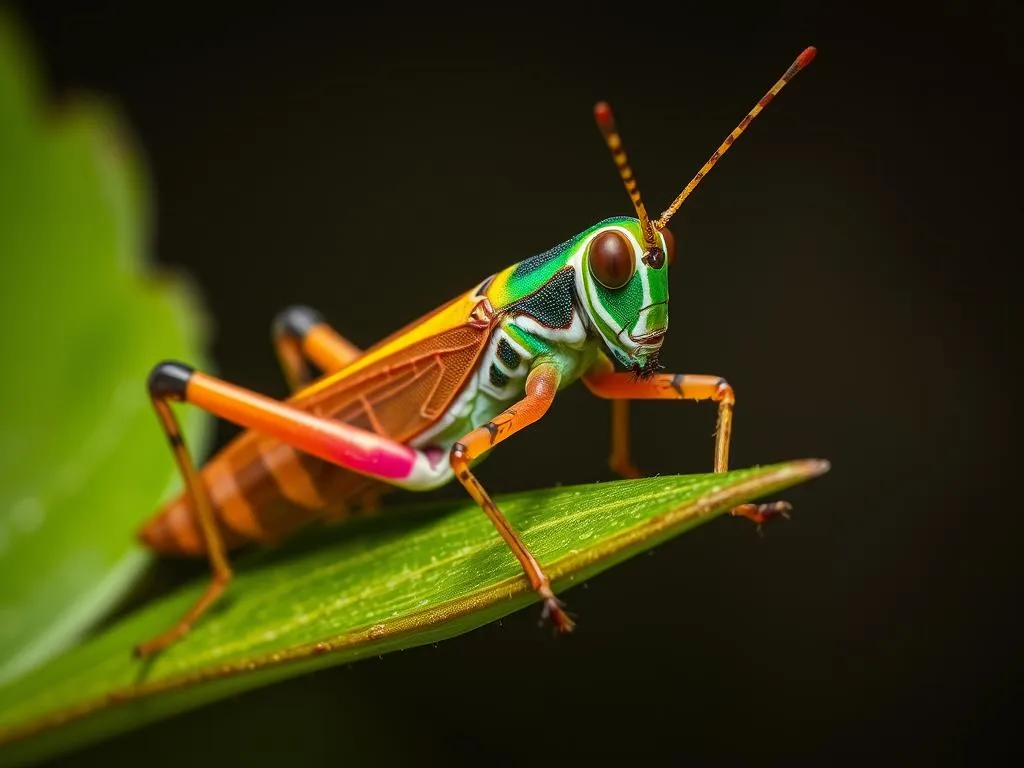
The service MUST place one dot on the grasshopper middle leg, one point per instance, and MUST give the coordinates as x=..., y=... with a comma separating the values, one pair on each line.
x=541, y=386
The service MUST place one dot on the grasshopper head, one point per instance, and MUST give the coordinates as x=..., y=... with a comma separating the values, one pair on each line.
x=624, y=290
x=625, y=274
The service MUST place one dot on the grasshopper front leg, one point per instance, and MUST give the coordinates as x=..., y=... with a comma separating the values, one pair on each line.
x=541, y=386
x=620, y=460
x=604, y=381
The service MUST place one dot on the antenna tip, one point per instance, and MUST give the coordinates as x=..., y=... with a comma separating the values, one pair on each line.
x=806, y=57
x=603, y=114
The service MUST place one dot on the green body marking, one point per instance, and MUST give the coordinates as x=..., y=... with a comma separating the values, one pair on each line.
x=553, y=309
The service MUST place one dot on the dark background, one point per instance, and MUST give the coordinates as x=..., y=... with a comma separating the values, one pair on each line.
x=845, y=267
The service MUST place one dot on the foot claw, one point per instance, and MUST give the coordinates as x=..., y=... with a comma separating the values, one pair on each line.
x=762, y=513
x=553, y=609
x=144, y=650
x=155, y=645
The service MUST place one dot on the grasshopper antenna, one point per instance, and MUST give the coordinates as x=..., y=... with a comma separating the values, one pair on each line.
x=606, y=123
x=802, y=61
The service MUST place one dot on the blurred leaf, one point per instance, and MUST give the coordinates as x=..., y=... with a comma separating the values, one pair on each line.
x=415, y=575
x=82, y=459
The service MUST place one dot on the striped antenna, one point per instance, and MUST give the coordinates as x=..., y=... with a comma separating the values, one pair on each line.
x=802, y=61
x=606, y=122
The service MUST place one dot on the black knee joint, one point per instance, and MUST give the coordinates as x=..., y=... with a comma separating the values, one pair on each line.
x=296, y=322
x=169, y=379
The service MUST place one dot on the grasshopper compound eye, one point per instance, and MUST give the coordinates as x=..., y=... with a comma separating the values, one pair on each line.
x=611, y=259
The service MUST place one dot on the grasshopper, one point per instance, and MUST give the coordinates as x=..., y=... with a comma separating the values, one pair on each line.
x=427, y=403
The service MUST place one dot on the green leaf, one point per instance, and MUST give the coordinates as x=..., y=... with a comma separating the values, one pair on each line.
x=82, y=459
x=412, y=576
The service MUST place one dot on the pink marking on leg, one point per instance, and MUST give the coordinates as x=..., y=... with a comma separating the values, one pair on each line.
x=374, y=455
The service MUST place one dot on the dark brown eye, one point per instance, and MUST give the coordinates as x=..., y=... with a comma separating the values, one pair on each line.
x=611, y=259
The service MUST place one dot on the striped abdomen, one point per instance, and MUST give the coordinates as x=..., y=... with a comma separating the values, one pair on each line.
x=262, y=490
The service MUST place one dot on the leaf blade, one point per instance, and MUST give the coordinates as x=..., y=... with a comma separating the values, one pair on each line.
x=428, y=573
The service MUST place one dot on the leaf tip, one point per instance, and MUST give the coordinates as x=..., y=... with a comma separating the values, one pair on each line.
x=815, y=467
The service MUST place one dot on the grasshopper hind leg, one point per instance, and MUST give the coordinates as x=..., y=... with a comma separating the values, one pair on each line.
x=166, y=383
x=302, y=336
x=365, y=452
